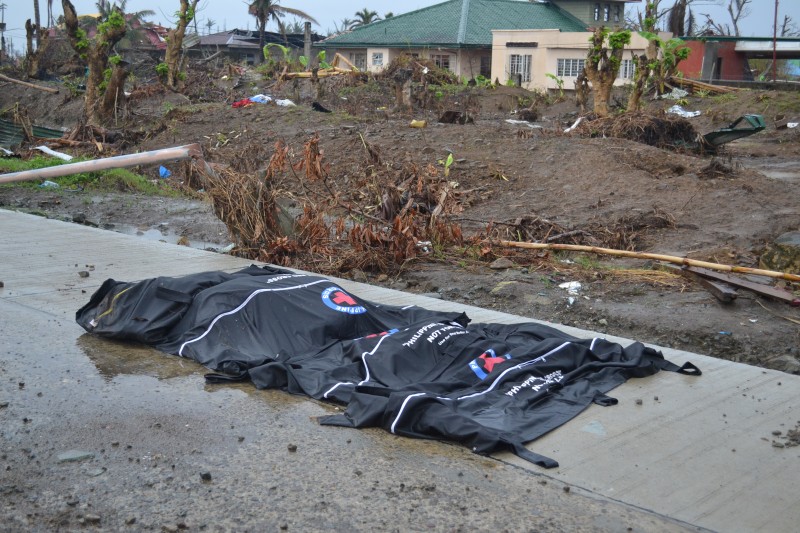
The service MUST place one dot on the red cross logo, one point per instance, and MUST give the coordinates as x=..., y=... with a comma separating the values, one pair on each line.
x=489, y=362
x=340, y=298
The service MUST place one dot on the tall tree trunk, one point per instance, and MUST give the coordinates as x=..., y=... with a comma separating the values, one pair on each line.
x=644, y=61
x=172, y=57
x=602, y=65
x=582, y=91
x=36, y=19
x=33, y=57
x=677, y=18
x=114, y=97
x=602, y=95
x=262, y=25
x=95, y=53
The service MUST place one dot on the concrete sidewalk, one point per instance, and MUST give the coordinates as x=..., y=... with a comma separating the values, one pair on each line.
x=677, y=451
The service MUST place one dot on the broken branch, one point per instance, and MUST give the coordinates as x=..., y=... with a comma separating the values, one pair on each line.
x=31, y=85
x=656, y=257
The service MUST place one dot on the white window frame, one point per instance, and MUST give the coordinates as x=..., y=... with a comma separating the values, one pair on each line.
x=607, y=13
x=377, y=59
x=597, y=11
x=441, y=60
x=520, y=64
x=627, y=69
x=359, y=60
x=569, y=67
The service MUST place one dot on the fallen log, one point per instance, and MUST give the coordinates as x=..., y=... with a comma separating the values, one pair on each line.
x=31, y=85
x=655, y=257
x=190, y=151
x=701, y=86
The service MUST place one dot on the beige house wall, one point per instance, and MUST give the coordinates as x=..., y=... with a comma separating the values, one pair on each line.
x=465, y=63
x=550, y=46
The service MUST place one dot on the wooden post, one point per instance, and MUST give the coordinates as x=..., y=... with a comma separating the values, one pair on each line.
x=307, y=44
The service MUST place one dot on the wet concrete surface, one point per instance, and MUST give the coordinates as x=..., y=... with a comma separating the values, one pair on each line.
x=103, y=435
x=96, y=449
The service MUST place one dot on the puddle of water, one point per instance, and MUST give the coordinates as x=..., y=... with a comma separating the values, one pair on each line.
x=783, y=171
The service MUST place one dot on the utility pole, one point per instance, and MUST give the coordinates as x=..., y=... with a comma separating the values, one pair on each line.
x=2, y=32
x=775, y=46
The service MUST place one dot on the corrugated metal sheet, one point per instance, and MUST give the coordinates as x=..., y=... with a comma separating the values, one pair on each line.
x=11, y=134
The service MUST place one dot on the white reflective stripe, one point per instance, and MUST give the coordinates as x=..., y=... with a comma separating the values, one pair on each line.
x=491, y=387
x=243, y=304
x=335, y=387
x=407, y=307
x=517, y=367
x=371, y=352
x=591, y=346
x=402, y=408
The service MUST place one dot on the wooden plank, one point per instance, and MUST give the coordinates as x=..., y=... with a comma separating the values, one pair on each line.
x=765, y=290
x=722, y=291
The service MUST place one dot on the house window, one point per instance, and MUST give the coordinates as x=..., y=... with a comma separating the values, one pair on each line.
x=377, y=59
x=441, y=60
x=597, y=12
x=617, y=13
x=607, y=12
x=626, y=69
x=486, y=66
x=520, y=65
x=570, y=68
x=359, y=60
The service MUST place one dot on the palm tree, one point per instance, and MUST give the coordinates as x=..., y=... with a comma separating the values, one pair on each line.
x=364, y=17
x=344, y=25
x=264, y=10
x=210, y=24
x=296, y=26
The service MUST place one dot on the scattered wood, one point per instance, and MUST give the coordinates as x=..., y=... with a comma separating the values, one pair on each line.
x=210, y=58
x=722, y=291
x=31, y=85
x=333, y=70
x=759, y=288
x=655, y=257
x=695, y=85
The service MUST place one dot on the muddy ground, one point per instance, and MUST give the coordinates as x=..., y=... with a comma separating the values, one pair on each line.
x=725, y=208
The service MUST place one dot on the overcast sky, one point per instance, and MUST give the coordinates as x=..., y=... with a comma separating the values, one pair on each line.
x=229, y=14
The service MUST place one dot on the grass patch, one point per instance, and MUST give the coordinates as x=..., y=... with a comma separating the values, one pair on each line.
x=118, y=179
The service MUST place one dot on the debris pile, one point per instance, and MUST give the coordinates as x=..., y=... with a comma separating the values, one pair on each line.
x=663, y=131
x=378, y=224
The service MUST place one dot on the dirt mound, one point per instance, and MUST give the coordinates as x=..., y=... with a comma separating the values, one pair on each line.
x=662, y=131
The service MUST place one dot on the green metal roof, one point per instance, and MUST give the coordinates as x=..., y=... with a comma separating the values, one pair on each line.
x=456, y=24
x=11, y=134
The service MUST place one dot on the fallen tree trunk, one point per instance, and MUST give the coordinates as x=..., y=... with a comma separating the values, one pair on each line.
x=656, y=257
x=31, y=85
x=122, y=161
